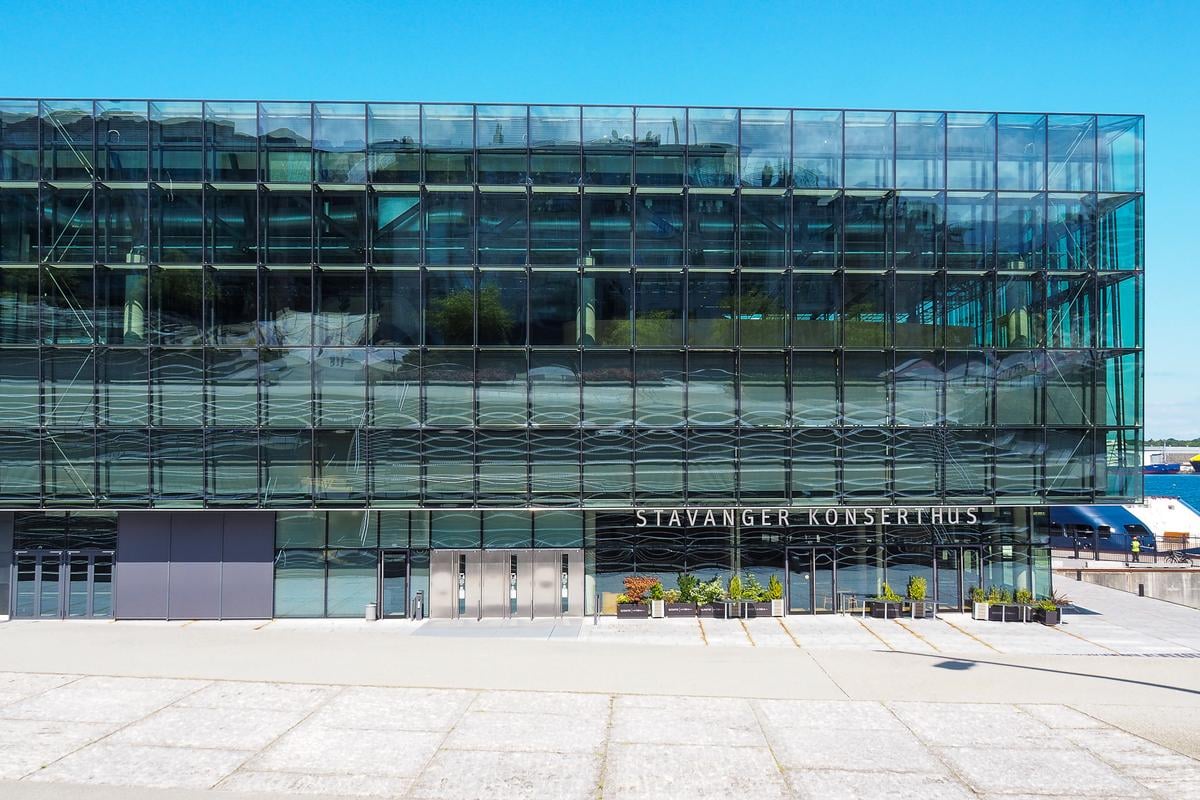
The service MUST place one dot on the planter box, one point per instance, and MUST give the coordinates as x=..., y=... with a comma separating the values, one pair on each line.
x=883, y=609
x=706, y=610
x=1008, y=612
x=658, y=608
x=920, y=609
x=727, y=609
x=980, y=611
x=632, y=611
x=755, y=608
x=682, y=610
x=1048, y=617
x=777, y=608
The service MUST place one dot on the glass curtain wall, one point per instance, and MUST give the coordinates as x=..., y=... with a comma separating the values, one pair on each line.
x=398, y=305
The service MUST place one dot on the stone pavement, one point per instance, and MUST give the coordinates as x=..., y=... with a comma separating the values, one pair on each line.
x=77, y=734
x=830, y=706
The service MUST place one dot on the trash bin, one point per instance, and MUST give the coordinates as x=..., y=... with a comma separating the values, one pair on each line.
x=419, y=606
x=372, y=612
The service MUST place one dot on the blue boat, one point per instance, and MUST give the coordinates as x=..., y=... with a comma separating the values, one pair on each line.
x=1160, y=469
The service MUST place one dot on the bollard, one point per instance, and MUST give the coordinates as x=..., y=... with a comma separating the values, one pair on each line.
x=372, y=612
x=1141, y=590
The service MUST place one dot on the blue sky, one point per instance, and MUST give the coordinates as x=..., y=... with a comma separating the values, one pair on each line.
x=1009, y=56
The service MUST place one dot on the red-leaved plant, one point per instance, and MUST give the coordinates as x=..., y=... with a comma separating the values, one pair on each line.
x=636, y=588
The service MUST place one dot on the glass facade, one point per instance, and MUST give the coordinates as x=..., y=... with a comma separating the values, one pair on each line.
x=301, y=306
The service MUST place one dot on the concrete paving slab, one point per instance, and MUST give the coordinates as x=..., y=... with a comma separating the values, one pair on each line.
x=975, y=725
x=397, y=709
x=845, y=785
x=321, y=750
x=1067, y=772
x=537, y=732
x=698, y=772
x=18, y=686
x=1059, y=717
x=1133, y=755
x=686, y=720
x=102, y=699
x=486, y=775
x=289, y=784
x=141, y=765
x=846, y=715
x=266, y=696
x=568, y=703
x=217, y=728
x=853, y=750
x=27, y=745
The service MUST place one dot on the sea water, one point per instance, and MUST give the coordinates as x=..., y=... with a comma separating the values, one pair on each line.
x=1185, y=487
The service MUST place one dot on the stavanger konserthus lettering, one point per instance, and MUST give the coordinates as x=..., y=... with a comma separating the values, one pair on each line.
x=779, y=517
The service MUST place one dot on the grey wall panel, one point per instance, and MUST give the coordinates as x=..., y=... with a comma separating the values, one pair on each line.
x=248, y=565
x=143, y=553
x=195, y=589
x=6, y=544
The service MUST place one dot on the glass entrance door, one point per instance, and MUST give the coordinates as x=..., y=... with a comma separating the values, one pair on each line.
x=811, y=581
x=393, y=590
x=57, y=584
x=958, y=571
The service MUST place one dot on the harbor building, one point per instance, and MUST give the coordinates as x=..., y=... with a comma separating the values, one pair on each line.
x=288, y=359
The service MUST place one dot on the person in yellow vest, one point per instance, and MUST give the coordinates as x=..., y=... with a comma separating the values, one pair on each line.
x=1135, y=546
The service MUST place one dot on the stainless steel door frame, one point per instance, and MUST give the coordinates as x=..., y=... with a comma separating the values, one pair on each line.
x=454, y=584
x=507, y=583
x=74, y=599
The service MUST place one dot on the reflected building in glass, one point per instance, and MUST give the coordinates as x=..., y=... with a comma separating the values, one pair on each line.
x=288, y=359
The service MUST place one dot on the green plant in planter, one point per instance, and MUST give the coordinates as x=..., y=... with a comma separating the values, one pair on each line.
x=710, y=591
x=916, y=588
x=656, y=592
x=994, y=595
x=622, y=599
x=1006, y=596
x=1024, y=597
x=753, y=590
x=886, y=593
x=774, y=588
x=735, y=588
x=672, y=596
x=978, y=595
x=1047, y=605
x=688, y=586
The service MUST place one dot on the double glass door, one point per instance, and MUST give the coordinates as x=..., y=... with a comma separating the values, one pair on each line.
x=63, y=584
x=811, y=588
x=958, y=570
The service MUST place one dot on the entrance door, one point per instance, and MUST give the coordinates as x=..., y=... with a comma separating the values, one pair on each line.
x=454, y=584
x=505, y=584
x=558, y=583
x=57, y=584
x=393, y=583
x=958, y=571
x=811, y=581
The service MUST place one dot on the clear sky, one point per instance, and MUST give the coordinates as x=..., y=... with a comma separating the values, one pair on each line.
x=1100, y=56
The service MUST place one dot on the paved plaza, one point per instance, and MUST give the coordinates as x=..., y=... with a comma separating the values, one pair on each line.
x=821, y=707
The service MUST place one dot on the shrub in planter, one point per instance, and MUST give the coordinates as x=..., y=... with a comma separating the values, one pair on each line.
x=656, y=596
x=626, y=609
x=916, y=590
x=979, y=603
x=775, y=593
x=1047, y=613
x=886, y=605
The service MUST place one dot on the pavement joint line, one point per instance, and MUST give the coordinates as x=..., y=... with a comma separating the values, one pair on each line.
x=603, y=765
x=412, y=787
x=275, y=741
x=757, y=712
x=867, y=628
x=788, y=631
x=114, y=732
x=970, y=635
x=933, y=646
x=703, y=635
x=742, y=622
x=935, y=752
